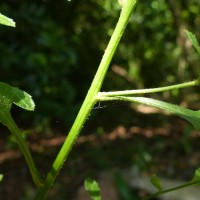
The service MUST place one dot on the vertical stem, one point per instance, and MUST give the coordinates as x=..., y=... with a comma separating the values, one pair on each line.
x=90, y=99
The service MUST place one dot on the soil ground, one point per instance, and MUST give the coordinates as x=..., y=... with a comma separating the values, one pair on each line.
x=153, y=142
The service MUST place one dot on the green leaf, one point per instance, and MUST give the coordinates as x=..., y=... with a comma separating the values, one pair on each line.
x=191, y=116
x=9, y=95
x=92, y=187
x=194, y=41
x=6, y=21
x=196, y=176
x=156, y=182
x=16, y=96
x=1, y=177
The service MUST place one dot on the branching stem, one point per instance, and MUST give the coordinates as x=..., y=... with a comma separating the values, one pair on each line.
x=90, y=99
x=190, y=183
x=150, y=90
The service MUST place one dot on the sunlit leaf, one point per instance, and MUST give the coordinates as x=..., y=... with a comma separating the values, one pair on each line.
x=92, y=187
x=156, y=182
x=196, y=176
x=9, y=95
x=1, y=177
x=16, y=96
x=6, y=21
x=194, y=41
x=191, y=116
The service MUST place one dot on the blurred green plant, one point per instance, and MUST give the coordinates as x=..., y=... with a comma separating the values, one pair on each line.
x=1, y=177
x=9, y=95
x=157, y=183
x=6, y=21
x=61, y=39
x=92, y=187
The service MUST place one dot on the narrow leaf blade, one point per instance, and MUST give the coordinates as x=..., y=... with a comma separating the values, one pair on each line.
x=191, y=116
x=92, y=187
x=194, y=41
x=6, y=21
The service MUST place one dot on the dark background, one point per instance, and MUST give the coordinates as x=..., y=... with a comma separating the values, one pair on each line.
x=53, y=54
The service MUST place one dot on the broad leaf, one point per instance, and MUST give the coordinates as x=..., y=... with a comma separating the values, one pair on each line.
x=192, y=116
x=16, y=96
x=6, y=21
x=156, y=182
x=194, y=41
x=9, y=95
x=92, y=187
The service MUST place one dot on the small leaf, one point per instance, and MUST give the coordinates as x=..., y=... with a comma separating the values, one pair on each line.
x=194, y=41
x=1, y=177
x=6, y=21
x=16, y=96
x=92, y=187
x=191, y=116
x=156, y=182
x=196, y=176
x=9, y=95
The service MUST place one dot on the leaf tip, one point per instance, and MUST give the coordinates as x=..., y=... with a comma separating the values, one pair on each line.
x=7, y=21
x=156, y=182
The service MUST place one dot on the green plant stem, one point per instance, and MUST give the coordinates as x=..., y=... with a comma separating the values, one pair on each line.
x=25, y=150
x=145, y=91
x=190, y=183
x=90, y=99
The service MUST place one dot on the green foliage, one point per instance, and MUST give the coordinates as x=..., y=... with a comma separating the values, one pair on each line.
x=55, y=43
x=156, y=182
x=192, y=116
x=196, y=176
x=1, y=177
x=194, y=41
x=122, y=2
x=92, y=187
x=44, y=54
x=56, y=51
x=16, y=96
x=9, y=95
x=6, y=21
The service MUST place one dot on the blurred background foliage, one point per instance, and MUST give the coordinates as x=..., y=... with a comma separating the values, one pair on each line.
x=55, y=49
x=53, y=54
